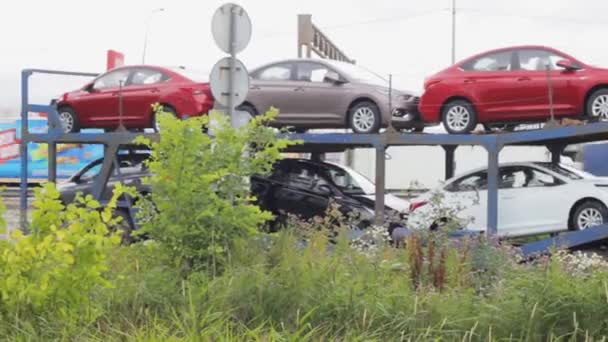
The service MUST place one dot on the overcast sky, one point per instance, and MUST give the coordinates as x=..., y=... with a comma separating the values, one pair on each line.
x=408, y=38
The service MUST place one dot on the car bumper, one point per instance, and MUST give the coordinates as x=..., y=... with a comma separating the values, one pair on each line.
x=406, y=115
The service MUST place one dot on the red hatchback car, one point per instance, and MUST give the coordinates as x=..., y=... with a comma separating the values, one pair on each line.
x=509, y=86
x=97, y=104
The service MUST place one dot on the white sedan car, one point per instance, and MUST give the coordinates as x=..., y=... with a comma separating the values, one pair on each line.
x=533, y=198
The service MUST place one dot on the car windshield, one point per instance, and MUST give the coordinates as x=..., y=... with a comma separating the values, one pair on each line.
x=560, y=170
x=358, y=73
x=350, y=181
x=127, y=166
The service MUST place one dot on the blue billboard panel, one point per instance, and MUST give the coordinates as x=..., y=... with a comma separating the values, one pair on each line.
x=70, y=157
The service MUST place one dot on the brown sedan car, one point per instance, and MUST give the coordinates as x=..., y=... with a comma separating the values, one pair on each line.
x=311, y=93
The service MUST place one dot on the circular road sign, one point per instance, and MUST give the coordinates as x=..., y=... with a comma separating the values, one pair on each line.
x=220, y=82
x=221, y=25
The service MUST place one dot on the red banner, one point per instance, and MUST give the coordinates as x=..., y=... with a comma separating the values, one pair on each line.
x=114, y=59
x=9, y=144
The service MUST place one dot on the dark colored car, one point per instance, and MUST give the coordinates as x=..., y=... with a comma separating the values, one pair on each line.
x=97, y=105
x=315, y=93
x=131, y=171
x=296, y=186
x=511, y=86
x=305, y=188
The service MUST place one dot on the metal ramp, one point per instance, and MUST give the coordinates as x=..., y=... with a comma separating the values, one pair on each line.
x=565, y=241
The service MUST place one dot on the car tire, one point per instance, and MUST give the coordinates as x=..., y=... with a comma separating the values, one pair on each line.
x=597, y=105
x=68, y=119
x=588, y=214
x=459, y=117
x=364, y=118
x=166, y=109
x=249, y=109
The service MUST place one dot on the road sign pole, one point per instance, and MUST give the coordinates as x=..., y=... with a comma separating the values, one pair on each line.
x=232, y=70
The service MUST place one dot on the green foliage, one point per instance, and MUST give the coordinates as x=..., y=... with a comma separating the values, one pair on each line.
x=200, y=200
x=54, y=271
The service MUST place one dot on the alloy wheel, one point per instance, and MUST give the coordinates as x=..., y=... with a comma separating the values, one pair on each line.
x=364, y=119
x=458, y=118
x=599, y=107
x=67, y=121
x=589, y=217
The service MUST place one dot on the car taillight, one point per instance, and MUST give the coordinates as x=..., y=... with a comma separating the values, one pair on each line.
x=416, y=205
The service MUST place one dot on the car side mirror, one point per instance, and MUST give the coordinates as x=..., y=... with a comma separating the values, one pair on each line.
x=333, y=77
x=89, y=87
x=567, y=65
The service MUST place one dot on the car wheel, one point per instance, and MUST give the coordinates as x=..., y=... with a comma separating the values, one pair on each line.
x=597, y=105
x=459, y=117
x=365, y=117
x=249, y=109
x=156, y=123
x=589, y=214
x=68, y=120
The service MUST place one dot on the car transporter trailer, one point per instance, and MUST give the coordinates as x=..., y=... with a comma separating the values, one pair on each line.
x=555, y=139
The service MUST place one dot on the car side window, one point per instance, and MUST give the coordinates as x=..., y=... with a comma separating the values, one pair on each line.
x=499, y=61
x=147, y=76
x=277, y=72
x=525, y=177
x=311, y=72
x=300, y=177
x=112, y=79
x=538, y=59
x=474, y=182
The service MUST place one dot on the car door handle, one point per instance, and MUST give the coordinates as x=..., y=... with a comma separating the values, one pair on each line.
x=507, y=197
x=469, y=80
x=155, y=90
x=523, y=78
x=299, y=89
x=254, y=88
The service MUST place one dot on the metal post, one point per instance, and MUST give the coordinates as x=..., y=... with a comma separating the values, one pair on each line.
x=25, y=75
x=52, y=157
x=492, y=214
x=390, y=103
x=453, y=31
x=120, y=110
x=556, y=152
x=101, y=181
x=449, y=160
x=148, y=19
x=231, y=73
x=380, y=185
x=550, y=86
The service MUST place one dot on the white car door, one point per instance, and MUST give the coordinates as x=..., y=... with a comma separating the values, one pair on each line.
x=467, y=199
x=531, y=201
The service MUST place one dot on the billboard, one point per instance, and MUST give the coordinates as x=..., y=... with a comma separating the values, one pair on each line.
x=70, y=157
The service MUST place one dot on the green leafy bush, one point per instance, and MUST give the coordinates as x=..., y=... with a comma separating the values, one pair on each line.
x=54, y=271
x=200, y=199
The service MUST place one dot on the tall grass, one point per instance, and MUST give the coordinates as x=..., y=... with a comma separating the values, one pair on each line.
x=272, y=291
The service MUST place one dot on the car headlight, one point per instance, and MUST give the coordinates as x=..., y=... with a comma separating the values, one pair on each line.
x=405, y=97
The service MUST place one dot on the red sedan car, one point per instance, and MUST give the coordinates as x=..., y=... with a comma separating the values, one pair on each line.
x=97, y=104
x=511, y=86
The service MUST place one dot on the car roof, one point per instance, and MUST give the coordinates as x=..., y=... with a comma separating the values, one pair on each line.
x=326, y=62
x=166, y=70
x=515, y=47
